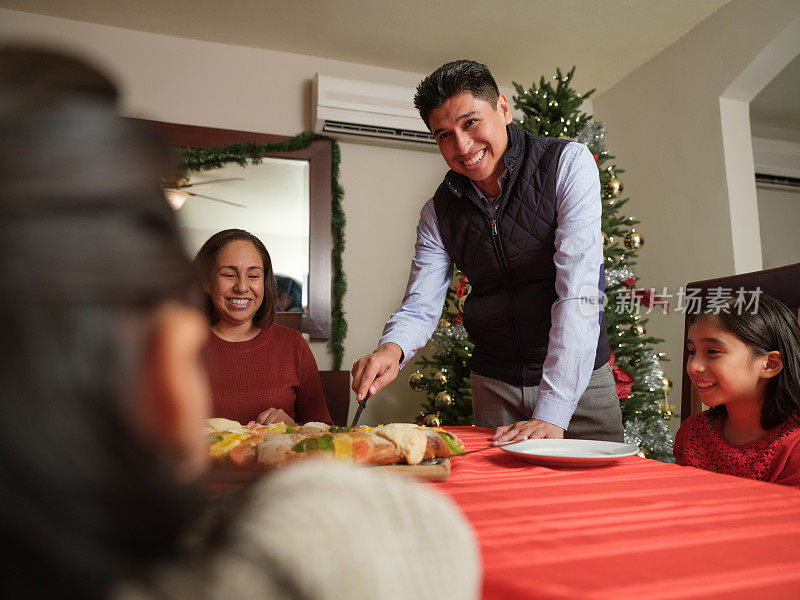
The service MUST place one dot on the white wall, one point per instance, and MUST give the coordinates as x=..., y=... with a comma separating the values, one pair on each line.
x=778, y=209
x=216, y=85
x=779, y=215
x=664, y=129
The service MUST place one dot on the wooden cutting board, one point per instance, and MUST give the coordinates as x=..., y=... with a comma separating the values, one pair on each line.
x=225, y=476
x=437, y=470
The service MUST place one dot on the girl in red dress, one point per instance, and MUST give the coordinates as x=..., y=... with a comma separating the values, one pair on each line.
x=746, y=368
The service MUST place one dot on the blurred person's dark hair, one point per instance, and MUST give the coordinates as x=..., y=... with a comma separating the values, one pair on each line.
x=34, y=77
x=88, y=249
x=204, y=264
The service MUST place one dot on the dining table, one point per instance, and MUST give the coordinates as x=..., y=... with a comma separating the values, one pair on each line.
x=633, y=528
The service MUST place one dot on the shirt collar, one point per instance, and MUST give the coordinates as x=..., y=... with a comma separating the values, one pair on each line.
x=501, y=181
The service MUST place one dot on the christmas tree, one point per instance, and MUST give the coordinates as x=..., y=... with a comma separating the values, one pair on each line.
x=554, y=111
x=444, y=375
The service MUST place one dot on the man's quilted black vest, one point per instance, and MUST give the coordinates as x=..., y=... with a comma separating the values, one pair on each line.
x=509, y=260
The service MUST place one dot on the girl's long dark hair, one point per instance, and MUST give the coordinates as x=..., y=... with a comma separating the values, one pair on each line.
x=88, y=249
x=771, y=327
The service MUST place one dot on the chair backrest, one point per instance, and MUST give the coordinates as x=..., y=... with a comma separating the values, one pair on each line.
x=292, y=320
x=336, y=386
x=782, y=283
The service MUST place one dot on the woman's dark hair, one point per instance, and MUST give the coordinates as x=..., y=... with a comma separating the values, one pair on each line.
x=88, y=250
x=207, y=257
x=452, y=79
x=770, y=326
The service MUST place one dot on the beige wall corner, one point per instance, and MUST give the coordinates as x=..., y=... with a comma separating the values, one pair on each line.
x=665, y=128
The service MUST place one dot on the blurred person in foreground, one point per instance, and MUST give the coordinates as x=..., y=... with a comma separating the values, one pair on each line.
x=105, y=394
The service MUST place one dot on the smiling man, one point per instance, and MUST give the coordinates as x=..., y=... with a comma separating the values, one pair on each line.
x=520, y=216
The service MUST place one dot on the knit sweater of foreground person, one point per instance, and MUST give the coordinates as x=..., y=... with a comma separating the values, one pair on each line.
x=322, y=530
x=275, y=369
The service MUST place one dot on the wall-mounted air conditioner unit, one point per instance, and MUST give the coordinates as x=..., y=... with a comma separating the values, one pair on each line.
x=777, y=163
x=370, y=112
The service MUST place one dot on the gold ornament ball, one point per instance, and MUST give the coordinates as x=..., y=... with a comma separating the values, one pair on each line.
x=440, y=378
x=417, y=381
x=432, y=420
x=666, y=384
x=444, y=398
x=634, y=240
x=607, y=240
x=443, y=323
x=666, y=414
x=638, y=329
x=614, y=187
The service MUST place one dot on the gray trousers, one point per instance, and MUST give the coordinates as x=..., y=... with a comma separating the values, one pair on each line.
x=597, y=417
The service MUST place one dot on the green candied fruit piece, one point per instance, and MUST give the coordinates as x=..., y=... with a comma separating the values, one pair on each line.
x=451, y=442
x=325, y=443
x=305, y=445
x=338, y=429
x=214, y=437
x=292, y=428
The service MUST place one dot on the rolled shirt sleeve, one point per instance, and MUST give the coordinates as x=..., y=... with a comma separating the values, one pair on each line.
x=412, y=325
x=575, y=327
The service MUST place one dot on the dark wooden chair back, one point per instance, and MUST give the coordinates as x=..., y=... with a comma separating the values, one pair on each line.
x=336, y=385
x=782, y=283
x=292, y=320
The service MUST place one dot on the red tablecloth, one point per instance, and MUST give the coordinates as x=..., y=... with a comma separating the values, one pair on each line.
x=637, y=529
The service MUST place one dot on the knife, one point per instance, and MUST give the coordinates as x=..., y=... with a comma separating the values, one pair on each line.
x=437, y=460
x=488, y=448
x=359, y=410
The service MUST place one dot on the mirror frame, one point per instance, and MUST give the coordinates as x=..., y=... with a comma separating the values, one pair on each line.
x=316, y=322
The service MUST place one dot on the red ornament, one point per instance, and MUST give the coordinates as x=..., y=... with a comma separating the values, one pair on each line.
x=461, y=287
x=629, y=281
x=622, y=378
x=596, y=156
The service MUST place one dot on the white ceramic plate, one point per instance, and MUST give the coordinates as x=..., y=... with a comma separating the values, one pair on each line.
x=570, y=453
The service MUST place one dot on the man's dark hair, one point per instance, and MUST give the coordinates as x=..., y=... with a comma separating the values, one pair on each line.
x=452, y=79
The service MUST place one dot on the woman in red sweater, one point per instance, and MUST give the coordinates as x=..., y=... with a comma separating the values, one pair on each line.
x=259, y=370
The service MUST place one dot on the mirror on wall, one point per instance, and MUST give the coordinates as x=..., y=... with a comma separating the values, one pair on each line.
x=285, y=200
x=268, y=199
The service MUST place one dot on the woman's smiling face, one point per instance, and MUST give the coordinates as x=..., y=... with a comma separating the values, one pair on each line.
x=236, y=283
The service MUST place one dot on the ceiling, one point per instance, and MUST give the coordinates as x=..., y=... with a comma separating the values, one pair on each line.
x=778, y=104
x=518, y=39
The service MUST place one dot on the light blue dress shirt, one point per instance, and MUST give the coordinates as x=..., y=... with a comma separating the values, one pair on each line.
x=578, y=258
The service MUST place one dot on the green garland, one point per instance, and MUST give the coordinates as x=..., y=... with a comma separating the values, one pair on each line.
x=197, y=158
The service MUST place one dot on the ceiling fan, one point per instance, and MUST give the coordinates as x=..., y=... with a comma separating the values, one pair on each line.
x=176, y=194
